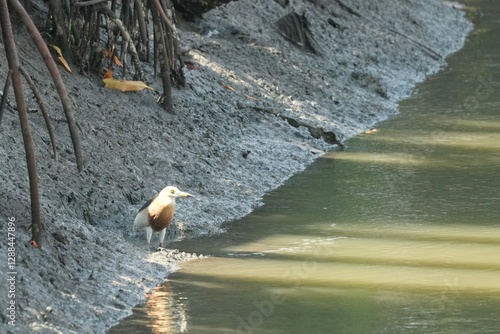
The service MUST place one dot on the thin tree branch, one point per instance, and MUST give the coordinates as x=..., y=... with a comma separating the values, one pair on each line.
x=4, y=96
x=127, y=40
x=172, y=46
x=159, y=35
x=39, y=100
x=141, y=20
x=163, y=15
x=89, y=3
x=13, y=61
x=56, y=77
x=60, y=27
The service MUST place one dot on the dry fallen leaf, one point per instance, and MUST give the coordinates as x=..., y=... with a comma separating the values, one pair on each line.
x=115, y=58
x=58, y=49
x=61, y=58
x=117, y=61
x=65, y=64
x=125, y=85
x=108, y=74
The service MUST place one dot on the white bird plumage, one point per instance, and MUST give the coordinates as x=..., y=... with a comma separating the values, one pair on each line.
x=157, y=213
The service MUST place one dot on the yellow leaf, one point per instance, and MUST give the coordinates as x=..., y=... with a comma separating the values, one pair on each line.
x=61, y=58
x=125, y=85
x=58, y=49
x=65, y=64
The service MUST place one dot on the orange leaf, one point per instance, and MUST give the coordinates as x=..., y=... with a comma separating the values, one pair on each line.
x=65, y=64
x=106, y=52
x=125, y=85
x=117, y=61
x=109, y=73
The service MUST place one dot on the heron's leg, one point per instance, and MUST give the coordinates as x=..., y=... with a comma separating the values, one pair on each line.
x=162, y=236
x=149, y=233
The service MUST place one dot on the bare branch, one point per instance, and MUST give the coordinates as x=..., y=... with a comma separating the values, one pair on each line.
x=4, y=96
x=127, y=40
x=39, y=100
x=160, y=45
x=163, y=15
x=141, y=20
x=89, y=3
x=60, y=27
x=13, y=61
x=56, y=77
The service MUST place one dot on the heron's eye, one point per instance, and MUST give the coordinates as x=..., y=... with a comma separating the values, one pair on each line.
x=172, y=191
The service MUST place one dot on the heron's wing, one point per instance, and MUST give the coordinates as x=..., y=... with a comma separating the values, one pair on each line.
x=147, y=203
x=142, y=219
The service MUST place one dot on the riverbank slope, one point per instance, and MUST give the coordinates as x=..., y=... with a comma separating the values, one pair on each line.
x=228, y=143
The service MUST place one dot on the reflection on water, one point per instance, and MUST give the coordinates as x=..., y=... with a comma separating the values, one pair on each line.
x=164, y=313
x=399, y=234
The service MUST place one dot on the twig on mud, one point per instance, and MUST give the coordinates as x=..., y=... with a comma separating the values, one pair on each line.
x=433, y=54
x=348, y=9
x=61, y=120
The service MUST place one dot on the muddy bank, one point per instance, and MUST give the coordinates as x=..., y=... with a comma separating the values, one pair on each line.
x=226, y=146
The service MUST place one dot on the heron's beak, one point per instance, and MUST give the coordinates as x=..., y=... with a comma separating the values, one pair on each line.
x=183, y=194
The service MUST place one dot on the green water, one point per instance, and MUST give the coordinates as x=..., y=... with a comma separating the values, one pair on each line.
x=399, y=234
